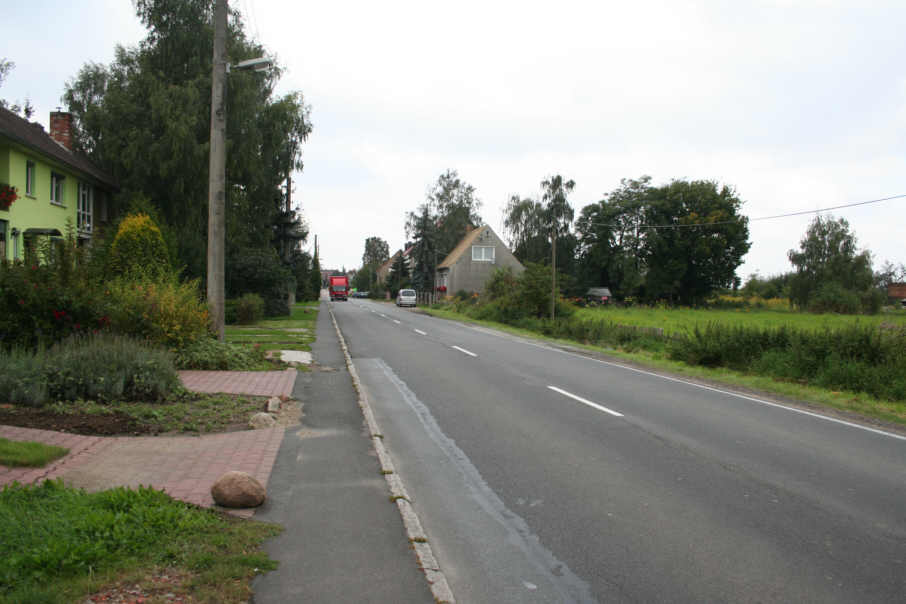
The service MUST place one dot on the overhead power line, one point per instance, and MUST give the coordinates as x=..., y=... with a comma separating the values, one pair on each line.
x=800, y=213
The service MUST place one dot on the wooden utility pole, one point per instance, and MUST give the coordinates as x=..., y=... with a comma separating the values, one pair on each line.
x=217, y=173
x=553, y=271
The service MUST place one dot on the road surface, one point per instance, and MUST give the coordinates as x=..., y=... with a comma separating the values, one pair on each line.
x=544, y=475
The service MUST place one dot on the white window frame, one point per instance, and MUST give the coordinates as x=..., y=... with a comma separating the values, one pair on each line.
x=480, y=253
x=31, y=169
x=85, y=208
x=57, y=188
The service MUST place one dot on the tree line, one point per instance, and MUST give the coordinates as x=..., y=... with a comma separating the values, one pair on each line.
x=678, y=243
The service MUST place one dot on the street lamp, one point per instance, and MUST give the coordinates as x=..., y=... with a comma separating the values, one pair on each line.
x=217, y=165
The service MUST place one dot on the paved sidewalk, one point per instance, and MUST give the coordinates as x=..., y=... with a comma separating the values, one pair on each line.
x=183, y=466
x=256, y=383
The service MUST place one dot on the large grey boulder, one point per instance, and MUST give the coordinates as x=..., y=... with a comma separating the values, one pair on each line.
x=238, y=490
x=262, y=420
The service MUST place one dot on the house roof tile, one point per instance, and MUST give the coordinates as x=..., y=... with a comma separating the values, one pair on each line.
x=464, y=244
x=33, y=136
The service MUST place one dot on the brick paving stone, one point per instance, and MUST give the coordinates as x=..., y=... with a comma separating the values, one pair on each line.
x=183, y=466
x=255, y=383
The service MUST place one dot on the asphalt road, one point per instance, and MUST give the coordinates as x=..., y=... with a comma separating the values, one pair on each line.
x=542, y=475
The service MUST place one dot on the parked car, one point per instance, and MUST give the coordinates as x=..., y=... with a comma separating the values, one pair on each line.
x=597, y=296
x=405, y=297
x=360, y=294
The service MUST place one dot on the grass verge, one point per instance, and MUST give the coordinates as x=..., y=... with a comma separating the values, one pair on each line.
x=28, y=454
x=61, y=544
x=855, y=404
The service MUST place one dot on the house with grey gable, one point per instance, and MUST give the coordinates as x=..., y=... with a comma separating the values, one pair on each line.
x=472, y=262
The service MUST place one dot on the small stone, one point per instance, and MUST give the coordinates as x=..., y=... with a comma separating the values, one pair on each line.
x=273, y=404
x=238, y=490
x=262, y=420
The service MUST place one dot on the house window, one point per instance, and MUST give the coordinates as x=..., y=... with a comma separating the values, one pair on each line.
x=30, y=178
x=84, y=208
x=482, y=253
x=57, y=185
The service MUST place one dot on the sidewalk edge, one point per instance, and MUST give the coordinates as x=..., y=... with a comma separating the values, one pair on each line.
x=437, y=582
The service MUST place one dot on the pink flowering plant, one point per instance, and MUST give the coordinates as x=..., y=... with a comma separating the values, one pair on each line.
x=8, y=194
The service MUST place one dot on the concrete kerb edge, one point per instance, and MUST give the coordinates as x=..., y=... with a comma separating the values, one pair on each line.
x=437, y=582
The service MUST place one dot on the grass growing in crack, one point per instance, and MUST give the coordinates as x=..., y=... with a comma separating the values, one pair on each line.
x=62, y=544
x=28, y=454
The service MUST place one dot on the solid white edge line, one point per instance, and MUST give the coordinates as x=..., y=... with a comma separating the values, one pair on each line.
x=726, y=392
x=463, y=350
x=586, y=402
x=419, y=331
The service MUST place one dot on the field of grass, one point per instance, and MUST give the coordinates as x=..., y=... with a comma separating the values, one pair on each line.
x=61, y=544
x=684, y=319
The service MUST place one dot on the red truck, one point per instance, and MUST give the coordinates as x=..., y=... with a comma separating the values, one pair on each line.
x=339, y=287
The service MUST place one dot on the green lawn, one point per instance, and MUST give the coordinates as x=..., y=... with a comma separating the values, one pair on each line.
x=295, y=332
x=28, y=454
x=683, y=319
x=62, y=544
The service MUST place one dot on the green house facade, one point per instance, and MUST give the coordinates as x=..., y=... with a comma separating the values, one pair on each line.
x=55, y=186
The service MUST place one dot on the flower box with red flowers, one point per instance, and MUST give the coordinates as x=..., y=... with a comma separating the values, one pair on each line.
x=8, y=194
x=441, y=288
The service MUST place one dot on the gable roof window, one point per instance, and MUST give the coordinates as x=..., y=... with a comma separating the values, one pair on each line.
x=482, y=253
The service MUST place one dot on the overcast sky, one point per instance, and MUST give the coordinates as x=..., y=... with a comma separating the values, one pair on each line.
x=798, y=104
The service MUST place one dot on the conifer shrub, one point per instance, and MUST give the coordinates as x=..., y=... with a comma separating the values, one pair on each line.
x=139, y=248
x=260, y=271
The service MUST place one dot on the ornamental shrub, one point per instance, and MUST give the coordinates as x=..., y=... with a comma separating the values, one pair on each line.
x=249, y=309
x=139, y=248
x=159, y=309
x=103, y=367
x=38, y=307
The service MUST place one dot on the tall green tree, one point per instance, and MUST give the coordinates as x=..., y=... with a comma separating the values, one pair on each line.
x=424, y=251
x=315, y=275
x=695, y=240
x=377, y=252
x=452, y=207
x=831, y=272
x=399, y=273
x=611, y=239
x=525, y=227
x=145, y=118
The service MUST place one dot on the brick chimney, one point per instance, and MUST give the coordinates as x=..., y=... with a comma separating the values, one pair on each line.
x=61, y=128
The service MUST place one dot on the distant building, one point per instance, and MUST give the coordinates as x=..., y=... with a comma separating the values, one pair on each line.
x=472, y=262
x=896, y=292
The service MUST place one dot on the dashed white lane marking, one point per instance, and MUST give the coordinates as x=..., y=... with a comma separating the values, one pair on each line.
x=586, y=402
x=397, y=322
x=464, y=351
x=419, y=331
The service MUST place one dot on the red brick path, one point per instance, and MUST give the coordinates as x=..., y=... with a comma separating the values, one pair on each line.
x=257, y=383
x=183, y=466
